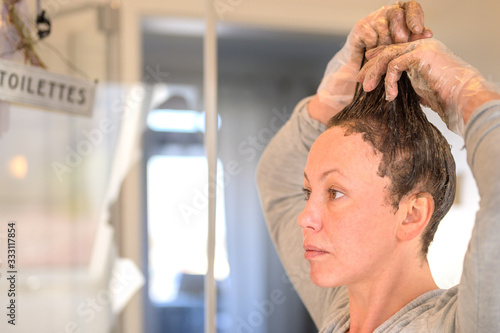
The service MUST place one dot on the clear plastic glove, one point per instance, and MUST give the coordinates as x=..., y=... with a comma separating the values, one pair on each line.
x=444, y=82
x=398, y=23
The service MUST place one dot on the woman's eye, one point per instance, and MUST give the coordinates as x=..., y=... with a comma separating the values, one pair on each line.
x=335, y=194
x=307, y=193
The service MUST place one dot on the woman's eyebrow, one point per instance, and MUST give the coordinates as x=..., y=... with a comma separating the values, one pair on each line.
x=326, y=174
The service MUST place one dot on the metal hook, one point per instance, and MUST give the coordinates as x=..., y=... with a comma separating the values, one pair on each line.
x=42, y=25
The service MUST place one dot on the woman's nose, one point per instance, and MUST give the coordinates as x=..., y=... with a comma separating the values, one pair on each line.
x=310, y=218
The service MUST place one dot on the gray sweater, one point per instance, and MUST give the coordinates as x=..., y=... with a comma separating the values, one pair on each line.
x=472, y=306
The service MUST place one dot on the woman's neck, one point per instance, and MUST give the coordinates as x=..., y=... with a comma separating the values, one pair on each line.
x=375, y=301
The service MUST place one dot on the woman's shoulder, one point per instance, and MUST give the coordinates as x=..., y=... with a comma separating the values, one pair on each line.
x=434, y=311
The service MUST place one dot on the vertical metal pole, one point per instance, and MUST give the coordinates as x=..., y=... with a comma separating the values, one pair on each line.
x=211, y=128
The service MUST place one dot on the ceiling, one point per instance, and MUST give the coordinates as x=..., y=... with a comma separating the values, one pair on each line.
x=469, y=28
x=242, y=49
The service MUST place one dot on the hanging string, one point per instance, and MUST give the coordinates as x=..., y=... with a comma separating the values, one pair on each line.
x=49, y=46
x=66, y=61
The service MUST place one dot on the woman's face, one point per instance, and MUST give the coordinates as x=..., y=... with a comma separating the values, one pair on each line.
x=349, y=224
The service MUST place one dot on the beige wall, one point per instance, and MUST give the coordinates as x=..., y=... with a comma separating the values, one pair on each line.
x=467, y=28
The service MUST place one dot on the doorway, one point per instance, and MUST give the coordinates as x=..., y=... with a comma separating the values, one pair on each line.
x=263, y=73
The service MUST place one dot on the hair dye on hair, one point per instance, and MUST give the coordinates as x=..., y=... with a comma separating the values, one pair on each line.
x=415, y=155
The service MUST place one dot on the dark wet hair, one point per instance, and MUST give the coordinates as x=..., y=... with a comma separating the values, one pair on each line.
x=415, y=155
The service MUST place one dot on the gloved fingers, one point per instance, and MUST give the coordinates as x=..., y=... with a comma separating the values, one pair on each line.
x=442, y=81
x=395, y=69
x=370, y=32
x=405, y=20
x=426, y=34
x=397, y=24
x=374, y=52
x=414, y=16
x=381, y=26
x=363, y=37
x=371, y=74
x=375, y=68
x=400, y=22
x=370, y=54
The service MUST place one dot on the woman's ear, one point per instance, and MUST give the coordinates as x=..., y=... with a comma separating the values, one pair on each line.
x=419, y=208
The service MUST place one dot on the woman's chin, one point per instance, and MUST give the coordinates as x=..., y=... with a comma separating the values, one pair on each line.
x=321, y=279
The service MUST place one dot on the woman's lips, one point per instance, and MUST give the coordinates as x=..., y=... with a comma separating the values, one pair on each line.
x=313, y=252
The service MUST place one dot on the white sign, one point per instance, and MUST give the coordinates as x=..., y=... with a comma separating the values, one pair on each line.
x=39, y=87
